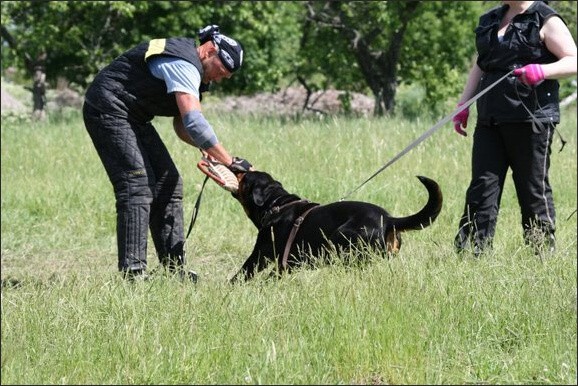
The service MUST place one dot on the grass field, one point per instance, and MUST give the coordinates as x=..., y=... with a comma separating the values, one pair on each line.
x=426, y=316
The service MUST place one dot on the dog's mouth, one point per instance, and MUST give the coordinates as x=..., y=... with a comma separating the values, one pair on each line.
x=239, y=193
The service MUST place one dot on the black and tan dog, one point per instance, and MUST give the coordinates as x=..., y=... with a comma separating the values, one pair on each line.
x=293, y=231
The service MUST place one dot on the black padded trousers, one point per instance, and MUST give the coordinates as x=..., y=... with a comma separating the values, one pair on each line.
x=147, y=187
x=526, y=150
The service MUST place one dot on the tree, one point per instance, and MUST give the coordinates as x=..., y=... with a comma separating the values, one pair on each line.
x=77, y=38
x=70, y=39
x=380, y=44
x=376, y=55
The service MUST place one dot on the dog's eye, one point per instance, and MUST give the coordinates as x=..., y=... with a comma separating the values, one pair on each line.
x=258, y=196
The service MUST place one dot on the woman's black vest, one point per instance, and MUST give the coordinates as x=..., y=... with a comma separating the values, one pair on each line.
x=520, y=46
x=126, y=87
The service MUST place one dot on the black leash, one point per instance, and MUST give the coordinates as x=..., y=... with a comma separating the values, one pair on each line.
x=428, y=133
x=196, y=208
x=537, y=125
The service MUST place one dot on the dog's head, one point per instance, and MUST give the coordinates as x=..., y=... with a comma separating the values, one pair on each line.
x=258, y=192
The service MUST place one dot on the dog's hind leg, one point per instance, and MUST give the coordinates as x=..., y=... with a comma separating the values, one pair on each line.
x=392, y=242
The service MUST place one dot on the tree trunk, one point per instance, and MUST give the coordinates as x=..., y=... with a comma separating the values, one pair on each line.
x=385, y=99
x=378, y=65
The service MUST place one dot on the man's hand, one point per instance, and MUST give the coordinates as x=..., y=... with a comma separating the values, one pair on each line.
x=532, y=74
x=240, y=165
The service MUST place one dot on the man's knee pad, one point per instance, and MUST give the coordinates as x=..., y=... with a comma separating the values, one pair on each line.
x=167, y=229
x=132, y=233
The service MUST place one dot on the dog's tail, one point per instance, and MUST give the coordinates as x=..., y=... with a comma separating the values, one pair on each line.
x=427, y=215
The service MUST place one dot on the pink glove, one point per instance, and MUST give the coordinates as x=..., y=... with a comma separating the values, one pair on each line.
x=532, y=74
x=461, y=120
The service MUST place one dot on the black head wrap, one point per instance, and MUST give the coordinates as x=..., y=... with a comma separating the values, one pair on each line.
x=230, y=50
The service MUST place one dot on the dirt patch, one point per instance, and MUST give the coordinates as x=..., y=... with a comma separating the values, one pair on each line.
x=291, y=101
x=11, y=104
x=288, y=102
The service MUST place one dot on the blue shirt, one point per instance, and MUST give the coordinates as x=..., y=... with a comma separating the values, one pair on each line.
x=178, y=74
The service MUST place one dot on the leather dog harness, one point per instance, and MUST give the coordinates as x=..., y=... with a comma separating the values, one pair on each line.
x=293, y=233
x=296, y=224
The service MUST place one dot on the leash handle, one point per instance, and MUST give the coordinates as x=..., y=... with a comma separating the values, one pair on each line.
x=196, y=208
x=430, y=131
x=536, y=121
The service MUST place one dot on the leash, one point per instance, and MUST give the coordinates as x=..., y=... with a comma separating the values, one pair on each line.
x=538, y=126
x=430, y=131
x=196, y=208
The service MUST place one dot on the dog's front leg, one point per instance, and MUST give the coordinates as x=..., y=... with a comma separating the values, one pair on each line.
x=258, y=260
x=248, y=269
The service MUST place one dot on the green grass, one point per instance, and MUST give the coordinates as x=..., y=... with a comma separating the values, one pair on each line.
x=425, y=316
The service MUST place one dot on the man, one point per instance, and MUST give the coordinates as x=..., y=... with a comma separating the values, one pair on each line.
x=162, y=77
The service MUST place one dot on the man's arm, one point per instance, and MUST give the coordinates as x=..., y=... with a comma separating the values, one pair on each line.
x=181, y=132
x=182, y=79
x=190, y=112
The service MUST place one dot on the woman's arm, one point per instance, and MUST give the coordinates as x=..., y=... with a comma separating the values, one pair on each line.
x=559, y=41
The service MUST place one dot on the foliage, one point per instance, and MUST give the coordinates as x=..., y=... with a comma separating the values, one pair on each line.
x=78, y=37
x=372, y=45
x=82, y=37
x=267, y=31
x=435, y=51
x=441, y=51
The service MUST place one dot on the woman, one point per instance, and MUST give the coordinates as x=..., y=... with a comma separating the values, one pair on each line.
x=516, y=119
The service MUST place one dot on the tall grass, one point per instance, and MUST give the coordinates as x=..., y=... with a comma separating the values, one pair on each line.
x=425, y=316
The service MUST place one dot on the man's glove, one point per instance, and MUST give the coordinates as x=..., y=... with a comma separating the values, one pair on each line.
x=461, y=120
x=532, y=74
x=240, y=165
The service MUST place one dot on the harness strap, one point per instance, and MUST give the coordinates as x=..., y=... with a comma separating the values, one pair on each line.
x=293, y=233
